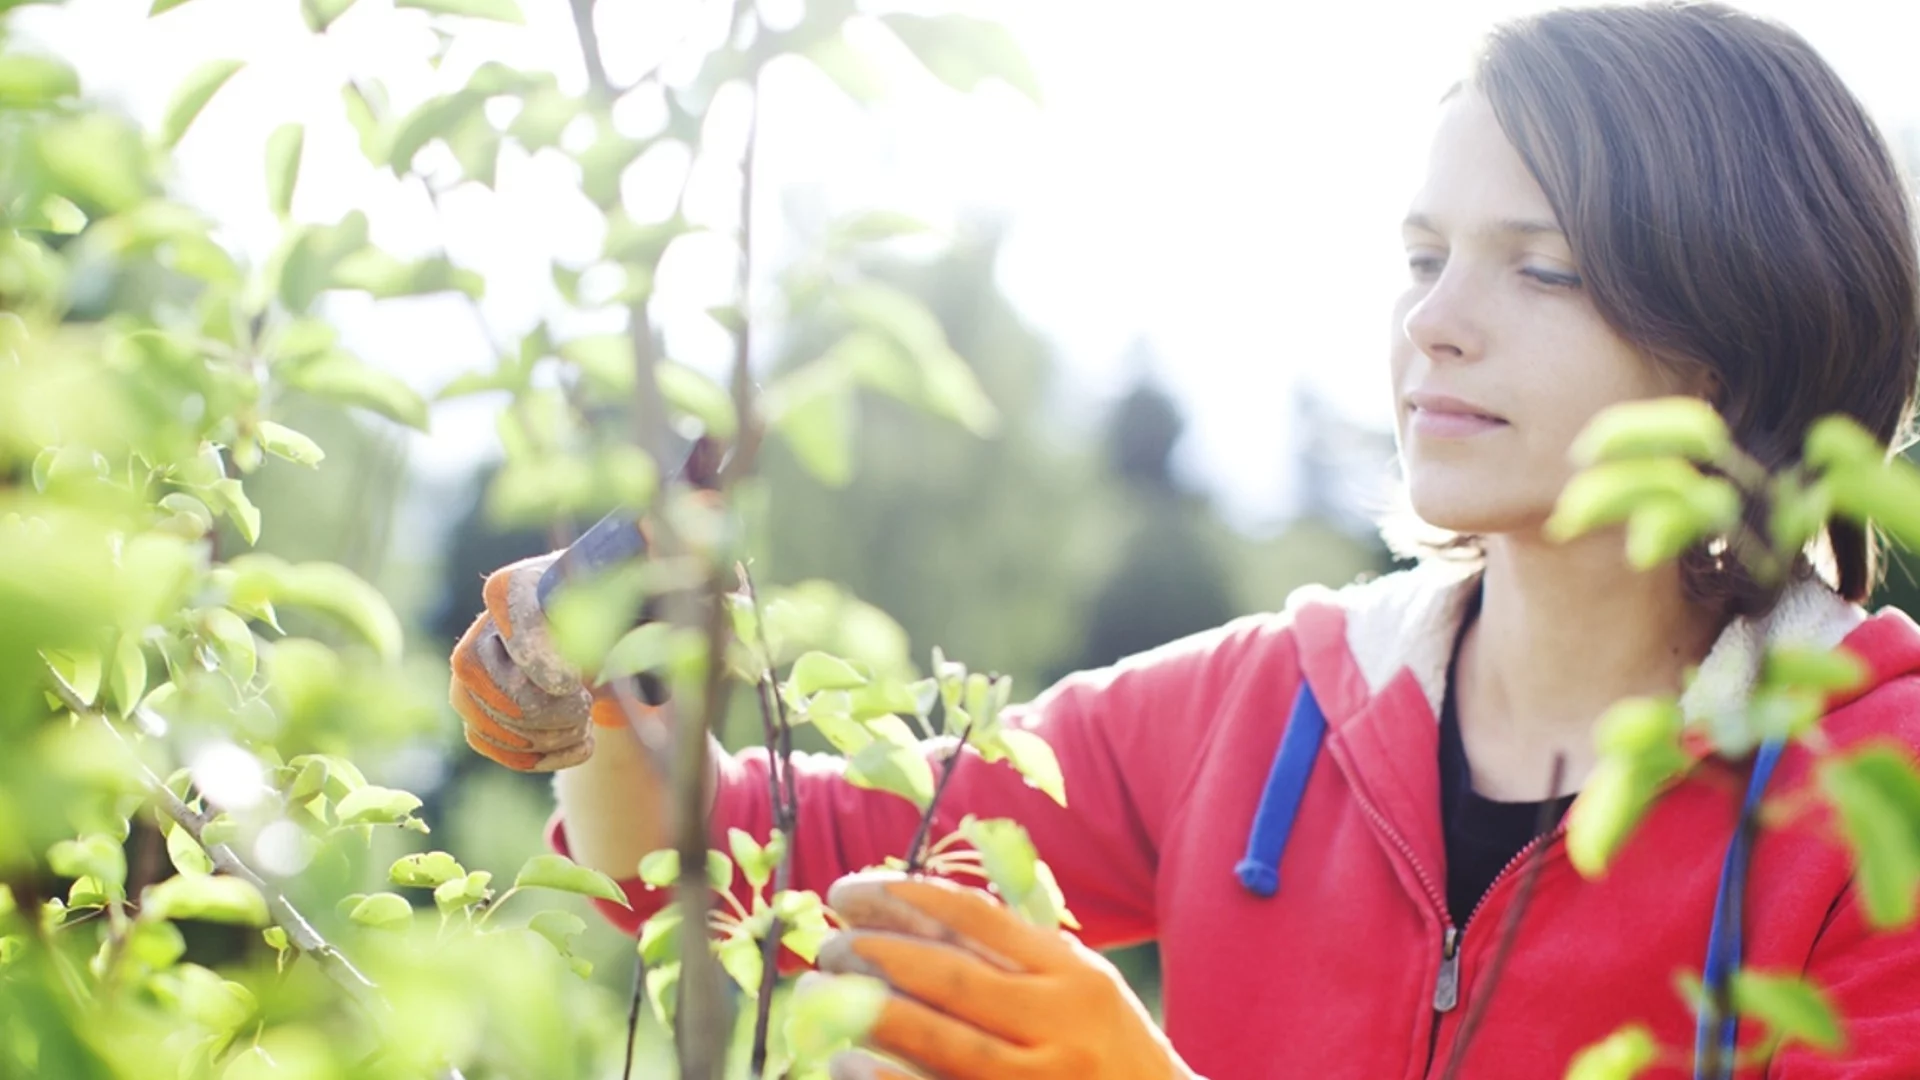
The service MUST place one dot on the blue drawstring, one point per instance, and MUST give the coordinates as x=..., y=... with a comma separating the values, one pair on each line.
x=1259, y=870
x=1724, y=941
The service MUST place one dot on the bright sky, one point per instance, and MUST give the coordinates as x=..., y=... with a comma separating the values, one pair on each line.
x=1222, y=176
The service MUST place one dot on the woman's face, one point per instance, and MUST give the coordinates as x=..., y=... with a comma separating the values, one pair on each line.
x=1499, y=357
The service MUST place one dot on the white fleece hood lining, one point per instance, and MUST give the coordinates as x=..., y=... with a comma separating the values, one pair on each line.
x=1409, y=619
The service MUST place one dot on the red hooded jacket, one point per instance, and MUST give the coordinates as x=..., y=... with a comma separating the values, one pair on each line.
x=1345, y=969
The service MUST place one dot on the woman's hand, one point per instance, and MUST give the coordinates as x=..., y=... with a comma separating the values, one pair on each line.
x=522, y=705
x=980, y=994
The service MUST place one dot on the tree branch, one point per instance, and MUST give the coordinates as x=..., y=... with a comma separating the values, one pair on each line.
x=589, y=39
x=777, y=729
x=916, y=851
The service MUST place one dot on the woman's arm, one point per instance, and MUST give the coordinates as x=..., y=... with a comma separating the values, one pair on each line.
x=1126, y=738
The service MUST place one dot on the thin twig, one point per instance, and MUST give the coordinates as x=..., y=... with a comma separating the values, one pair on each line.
x=777, y=729
x=589, y=39
x=916, y=851
x=1510, y=926
x=633, y=1017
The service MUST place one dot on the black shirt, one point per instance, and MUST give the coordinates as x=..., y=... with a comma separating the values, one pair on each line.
x=1482, y=835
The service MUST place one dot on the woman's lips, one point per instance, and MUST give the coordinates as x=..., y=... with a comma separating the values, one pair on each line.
x=1440, y=416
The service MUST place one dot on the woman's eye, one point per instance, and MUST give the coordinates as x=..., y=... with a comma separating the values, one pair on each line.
x=1425, y=267
x=1556, y=279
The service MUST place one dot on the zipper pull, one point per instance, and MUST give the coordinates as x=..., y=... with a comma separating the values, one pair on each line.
x=1446, y=990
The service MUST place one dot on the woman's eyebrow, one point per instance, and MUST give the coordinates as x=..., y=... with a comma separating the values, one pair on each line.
x=1504, y=226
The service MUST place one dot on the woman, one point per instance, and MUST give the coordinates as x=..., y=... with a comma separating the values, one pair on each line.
x=1620, y=203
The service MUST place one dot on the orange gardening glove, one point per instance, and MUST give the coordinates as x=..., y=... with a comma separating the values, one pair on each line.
x=523, y=705
x=981, y=994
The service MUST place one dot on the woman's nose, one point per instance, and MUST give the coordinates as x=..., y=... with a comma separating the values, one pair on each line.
x=1445, y=322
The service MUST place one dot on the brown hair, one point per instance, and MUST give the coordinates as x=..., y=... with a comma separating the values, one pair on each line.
x=1734, y=212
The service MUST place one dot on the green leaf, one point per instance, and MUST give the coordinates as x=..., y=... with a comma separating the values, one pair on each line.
x=375, y=805
x=697, y=396
x=203, y=998
x=719, y=870
x=209, y=899
x=325, y=588
x=1661, y=530
x=239, y=509
x=851, y=70
x=874, y=226
x=1610, y=804
x=193, y=96
x=339, y=377
x=383, y=911
x=435, y=118
x=1827, y=670
x=284, y=442
x=321, y=14
x=817, y=671
x=1683, y=427
x=1794, y=1009
x=283, y=166
x=662, y=984
x=805, y=918
x=605, y=359
x=156, y=943
x=1878, y=796
x=81, y=669
x=276, y=938
x=885, y=766
x=1638, y=742
x=660, y=869
x=660, y=936
x=653, y=646
x=498, y=10
x=963, y=51
x=1840, y=442
x=1612, y=491
x=97, y=160
x=1639, y=726
x=559, y=928
x=28, y=82
x=384, y=277
x=128, y=677
x=160, y=6
x=814, y=408
x=462, y=892
x=191, y=517
x=428, y=870
x=563, y=874
x=740, y=955
x=1034, y=760
x=233, y=640
x=948, y=386
x=95, y=856
x=1886, y=495
x=828, y=1014
x=1622, y=1055
x=186, y=853
x=544, y=114
x=756, y=863
x=374, y=140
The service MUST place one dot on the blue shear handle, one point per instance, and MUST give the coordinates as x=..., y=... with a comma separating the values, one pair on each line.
x=613, y=540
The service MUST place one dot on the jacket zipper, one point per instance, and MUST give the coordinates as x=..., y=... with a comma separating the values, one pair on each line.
x=1446, y=991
